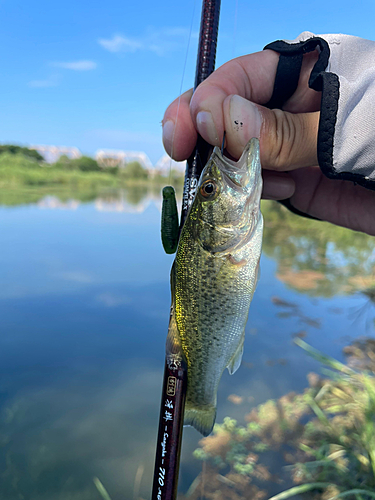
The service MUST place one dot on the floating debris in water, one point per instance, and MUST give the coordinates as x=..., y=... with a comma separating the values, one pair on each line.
x=236, y=400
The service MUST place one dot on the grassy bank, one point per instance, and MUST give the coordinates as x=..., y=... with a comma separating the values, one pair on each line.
x=19, y=171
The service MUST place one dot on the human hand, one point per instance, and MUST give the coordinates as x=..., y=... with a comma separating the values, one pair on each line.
x=231, y=99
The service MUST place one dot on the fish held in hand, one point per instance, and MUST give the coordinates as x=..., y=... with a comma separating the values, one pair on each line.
x=214, y=276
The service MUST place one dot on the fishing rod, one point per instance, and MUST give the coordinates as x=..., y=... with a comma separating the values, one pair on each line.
x=205, y=66
x=171, y=419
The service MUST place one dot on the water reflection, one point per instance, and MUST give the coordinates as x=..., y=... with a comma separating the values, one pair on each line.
x=131, y=198
x=288, y=309
x=56, y=438
x=84, y=309
x=318, y=259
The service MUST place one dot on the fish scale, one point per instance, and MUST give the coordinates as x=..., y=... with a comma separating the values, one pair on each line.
x=214, y=276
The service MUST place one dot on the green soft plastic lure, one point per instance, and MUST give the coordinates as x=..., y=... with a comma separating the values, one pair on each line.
x=169, y=220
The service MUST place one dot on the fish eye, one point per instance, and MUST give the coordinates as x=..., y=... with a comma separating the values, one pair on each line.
x=208, y=189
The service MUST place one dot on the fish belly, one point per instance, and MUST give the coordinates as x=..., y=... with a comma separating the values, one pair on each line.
x=212, y=296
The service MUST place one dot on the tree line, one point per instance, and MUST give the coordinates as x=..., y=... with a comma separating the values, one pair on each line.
x=132, y=170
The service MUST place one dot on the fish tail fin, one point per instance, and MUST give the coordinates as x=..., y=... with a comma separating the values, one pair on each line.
x=202, y=418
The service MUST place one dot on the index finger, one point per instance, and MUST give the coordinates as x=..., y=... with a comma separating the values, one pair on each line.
x=251, y=77
x=180, y=119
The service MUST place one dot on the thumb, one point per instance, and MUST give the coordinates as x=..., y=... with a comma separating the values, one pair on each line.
x=287, y=141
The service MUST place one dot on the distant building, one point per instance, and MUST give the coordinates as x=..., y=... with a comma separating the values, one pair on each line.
x=53, y=153
x=118, y=158
x=165, y=164
x=113, y=158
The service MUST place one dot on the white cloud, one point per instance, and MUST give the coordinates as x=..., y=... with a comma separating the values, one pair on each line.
x=51, y=81
x=112, y=300
x=76, y=65
x=76, y=276
x=120, y=43
x=159, y=41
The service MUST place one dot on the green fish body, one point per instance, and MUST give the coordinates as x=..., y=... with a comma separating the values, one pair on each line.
x=214, y=276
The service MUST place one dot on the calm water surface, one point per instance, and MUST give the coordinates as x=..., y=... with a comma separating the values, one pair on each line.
x=84, y=305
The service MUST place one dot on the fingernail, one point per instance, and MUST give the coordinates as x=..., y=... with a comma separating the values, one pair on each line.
x=168, y=131
x=206, y=127
x=246, y=119
x=277, y=187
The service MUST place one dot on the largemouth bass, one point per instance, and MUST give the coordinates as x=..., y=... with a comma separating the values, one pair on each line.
x=214, y=276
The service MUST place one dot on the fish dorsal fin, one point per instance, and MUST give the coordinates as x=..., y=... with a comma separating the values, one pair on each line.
x=237, y=357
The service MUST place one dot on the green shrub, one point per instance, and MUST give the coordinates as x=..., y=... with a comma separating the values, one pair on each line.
x=85, y=164
x=15, y=150
x=134, y=170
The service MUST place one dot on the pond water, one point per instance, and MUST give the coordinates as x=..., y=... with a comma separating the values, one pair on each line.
x=84, y=308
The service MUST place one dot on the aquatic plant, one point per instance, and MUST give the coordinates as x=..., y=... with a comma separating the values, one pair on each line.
x=102, y=491
x=327, y=433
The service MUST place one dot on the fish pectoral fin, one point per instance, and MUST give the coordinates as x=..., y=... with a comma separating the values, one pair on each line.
x=257, y=275
x=173, y=344
x=202, y=418
x=235, y=362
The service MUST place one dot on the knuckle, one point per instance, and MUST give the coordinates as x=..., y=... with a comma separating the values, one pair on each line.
x=283, y=138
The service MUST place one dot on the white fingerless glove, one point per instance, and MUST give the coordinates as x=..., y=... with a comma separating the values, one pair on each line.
x=345, y=74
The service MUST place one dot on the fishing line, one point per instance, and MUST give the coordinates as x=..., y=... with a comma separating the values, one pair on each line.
x=182, y=83
x=223, y=143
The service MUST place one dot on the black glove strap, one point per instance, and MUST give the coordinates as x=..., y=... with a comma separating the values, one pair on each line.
x=286, y=82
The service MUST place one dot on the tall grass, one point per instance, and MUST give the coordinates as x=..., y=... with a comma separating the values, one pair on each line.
x=17, y=170
x=327, y=434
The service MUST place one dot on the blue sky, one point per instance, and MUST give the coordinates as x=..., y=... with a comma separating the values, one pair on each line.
x=97, y=75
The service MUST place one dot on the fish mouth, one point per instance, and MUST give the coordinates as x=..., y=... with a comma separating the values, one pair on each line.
x=247, y=168
x=242, y=176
